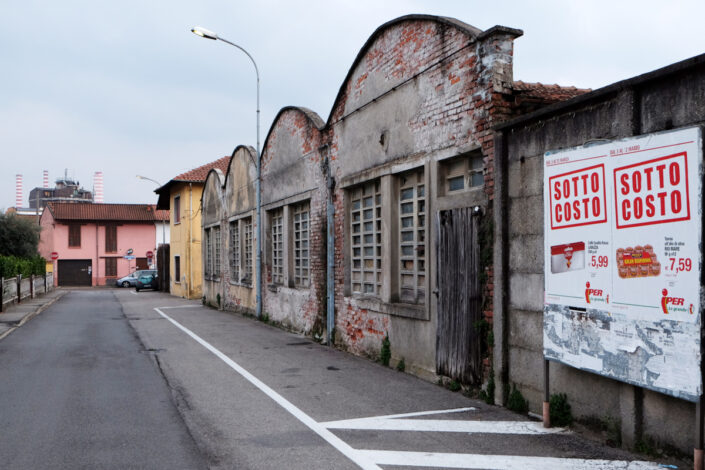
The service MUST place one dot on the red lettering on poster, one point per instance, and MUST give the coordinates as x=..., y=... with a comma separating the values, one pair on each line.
x=652, y=192
x=578, y=198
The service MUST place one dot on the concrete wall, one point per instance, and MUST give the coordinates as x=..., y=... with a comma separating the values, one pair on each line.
x=667, y=99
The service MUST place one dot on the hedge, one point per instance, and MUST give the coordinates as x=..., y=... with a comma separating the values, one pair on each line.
x=11, y=266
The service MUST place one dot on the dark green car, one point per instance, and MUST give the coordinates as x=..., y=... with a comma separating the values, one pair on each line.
x=147, y=281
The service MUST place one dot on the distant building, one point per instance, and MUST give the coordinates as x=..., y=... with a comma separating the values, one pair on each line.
x=98, y=243
x=66, y=190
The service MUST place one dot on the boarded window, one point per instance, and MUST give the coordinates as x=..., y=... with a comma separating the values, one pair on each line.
x=302, y=270
x=177, y=209
x=412, y=237
x=177, y=268
x=366, y=239
x=75, y=236
x=277, y=224
x=111, y=239
x=110, y=267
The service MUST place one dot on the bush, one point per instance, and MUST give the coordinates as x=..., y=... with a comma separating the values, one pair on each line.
x=559, y=410
x=386, y=353
x=516, y=401
x=11, y=266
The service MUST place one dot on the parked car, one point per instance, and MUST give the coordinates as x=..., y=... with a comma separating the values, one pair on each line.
x=147, y=281
x=131, y=279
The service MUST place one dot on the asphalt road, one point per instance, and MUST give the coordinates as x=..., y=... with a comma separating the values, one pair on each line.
x=112, y=378
x=78, y=390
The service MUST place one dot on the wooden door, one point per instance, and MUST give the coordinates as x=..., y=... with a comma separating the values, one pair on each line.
x=458, y=340
x=74, y=272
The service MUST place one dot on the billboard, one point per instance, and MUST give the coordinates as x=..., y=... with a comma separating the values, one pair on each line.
x=623, y=227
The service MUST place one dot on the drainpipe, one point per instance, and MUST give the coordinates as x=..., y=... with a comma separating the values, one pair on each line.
x=190, y=241
x=96, y=255
x=330, y=252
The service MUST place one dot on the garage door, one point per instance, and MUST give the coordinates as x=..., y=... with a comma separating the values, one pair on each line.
x=74, y=272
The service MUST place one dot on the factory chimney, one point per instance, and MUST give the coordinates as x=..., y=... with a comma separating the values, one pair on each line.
x=45, y=181
x=98, y=187
x=18, y=191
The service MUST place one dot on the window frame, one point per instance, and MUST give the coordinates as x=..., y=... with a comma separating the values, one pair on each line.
x=411, y=192
x=177, y=209
x=177, y=269
x=111, y=240
x=110, y=267
x=301, y=239
x=361, y=239
x=74, y=240
x=277, y=246
x=465, y=168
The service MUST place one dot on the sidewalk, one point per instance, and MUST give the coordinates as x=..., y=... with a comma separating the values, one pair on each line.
x=16, y=315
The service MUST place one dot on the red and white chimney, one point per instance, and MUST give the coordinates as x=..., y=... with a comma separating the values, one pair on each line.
x=18, y=191
x=45, y=179
x=98, y=187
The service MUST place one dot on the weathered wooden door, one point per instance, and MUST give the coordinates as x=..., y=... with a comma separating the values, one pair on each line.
x=458, y=342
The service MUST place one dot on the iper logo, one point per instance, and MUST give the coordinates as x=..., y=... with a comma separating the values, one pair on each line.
x=673, y=304
x=594, y=294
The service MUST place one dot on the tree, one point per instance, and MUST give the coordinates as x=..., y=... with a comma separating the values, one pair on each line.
x=18, y=236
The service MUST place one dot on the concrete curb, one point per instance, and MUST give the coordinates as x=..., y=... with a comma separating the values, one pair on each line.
x=33, y=314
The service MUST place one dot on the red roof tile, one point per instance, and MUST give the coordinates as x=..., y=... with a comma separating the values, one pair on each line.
x=111, y=212
x=199, y=174
x=547, y=93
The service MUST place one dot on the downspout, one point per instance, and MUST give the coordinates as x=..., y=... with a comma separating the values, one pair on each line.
x=190, y=241
x=330, y=253
x=96, y=255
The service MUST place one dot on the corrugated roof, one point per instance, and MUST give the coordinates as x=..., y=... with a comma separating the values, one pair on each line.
x=108, y=212
x=199, y=174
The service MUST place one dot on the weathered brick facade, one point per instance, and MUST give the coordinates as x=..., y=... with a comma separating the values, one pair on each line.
x=418, y=103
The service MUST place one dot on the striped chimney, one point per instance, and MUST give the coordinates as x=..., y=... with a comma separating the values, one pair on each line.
x=45, y=181
x=98, y=187
x=18, y=191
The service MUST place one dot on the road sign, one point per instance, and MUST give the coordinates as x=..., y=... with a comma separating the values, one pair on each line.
x=129, y=251
x=150, y=254
x=54, y=255
x=129, y=257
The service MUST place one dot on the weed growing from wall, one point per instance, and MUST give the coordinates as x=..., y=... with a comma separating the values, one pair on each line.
x=559, y=409
x=401, y=365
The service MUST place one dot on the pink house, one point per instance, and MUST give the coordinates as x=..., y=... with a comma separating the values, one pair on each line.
x=98, y=243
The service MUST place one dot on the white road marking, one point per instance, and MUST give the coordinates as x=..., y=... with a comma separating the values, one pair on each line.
x=356, y=456
x=497, y=462
x=419, y=413
x=371, y=459
x=444, y=425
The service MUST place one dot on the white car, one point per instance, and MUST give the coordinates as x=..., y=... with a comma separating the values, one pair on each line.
x=131, y=279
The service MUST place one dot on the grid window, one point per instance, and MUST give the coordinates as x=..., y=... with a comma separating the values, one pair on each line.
x=248, y=250
x=412, y=237
x=277, y=224
x=366, y=239
x=110, y=267
x=209, y=253
x=302, y=269
x=216, y=253
x=75, y=236
x=235, y=251
x=463, y=173
x=177, y=268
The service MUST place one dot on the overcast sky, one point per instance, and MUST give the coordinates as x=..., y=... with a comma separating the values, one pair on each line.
x=123, y=87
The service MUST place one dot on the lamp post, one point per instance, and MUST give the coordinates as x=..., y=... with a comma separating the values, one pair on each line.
x=204, y=33
x=159, y=185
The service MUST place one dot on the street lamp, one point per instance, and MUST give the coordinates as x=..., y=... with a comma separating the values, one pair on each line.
x=159, y=185
x=204, y=33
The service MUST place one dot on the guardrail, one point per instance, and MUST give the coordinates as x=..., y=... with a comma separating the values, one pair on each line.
x=16, y=289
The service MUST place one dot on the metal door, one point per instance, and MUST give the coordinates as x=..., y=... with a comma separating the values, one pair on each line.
x=74, y=272
x=458, y=341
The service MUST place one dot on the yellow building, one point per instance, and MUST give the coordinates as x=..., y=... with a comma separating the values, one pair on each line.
x=182, y=197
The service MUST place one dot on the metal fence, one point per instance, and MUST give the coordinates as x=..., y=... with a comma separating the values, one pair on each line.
x=17, y=289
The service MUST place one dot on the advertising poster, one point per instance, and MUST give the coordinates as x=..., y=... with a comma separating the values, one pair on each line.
x=623, y=226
